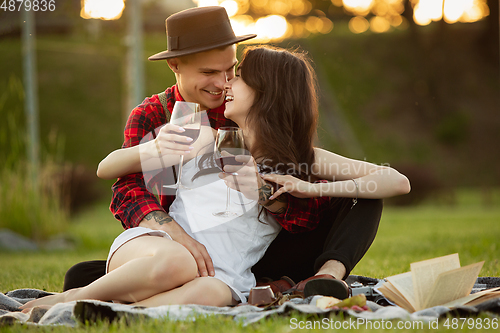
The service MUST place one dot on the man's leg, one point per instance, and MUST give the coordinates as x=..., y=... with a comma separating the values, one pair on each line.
x=343, y=235
x=351, y=235
x=84, y=273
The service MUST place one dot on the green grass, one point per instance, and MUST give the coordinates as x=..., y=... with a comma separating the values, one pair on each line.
x=414, y=234
x=470, y=227
x=93, y=232
x=406, y=235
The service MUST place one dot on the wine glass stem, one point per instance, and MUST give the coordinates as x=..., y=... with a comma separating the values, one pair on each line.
x=228, y=198
x=180, y=170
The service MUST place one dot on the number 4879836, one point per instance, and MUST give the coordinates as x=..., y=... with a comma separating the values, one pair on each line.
x=471, y=323
x=27, y=5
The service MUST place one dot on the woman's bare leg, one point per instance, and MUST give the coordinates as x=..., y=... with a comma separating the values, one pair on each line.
x=142, y=267
x=202, y=290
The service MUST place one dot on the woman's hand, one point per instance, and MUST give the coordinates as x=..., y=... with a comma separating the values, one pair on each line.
x=248, y=181
x=244, y=178
x=290, y=184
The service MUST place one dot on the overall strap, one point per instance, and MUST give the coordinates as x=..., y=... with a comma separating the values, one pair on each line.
x=163, y=100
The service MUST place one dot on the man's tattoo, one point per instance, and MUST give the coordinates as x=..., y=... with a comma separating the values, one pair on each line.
x=159, y=216
x=264, y=198
x=264, y=192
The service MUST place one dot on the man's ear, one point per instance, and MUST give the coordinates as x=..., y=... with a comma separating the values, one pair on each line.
x=173, y=63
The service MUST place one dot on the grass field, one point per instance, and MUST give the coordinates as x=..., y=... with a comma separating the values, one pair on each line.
x=470, y=228
x=406, y=103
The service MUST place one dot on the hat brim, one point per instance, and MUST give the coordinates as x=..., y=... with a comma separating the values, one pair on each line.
x=178, y=53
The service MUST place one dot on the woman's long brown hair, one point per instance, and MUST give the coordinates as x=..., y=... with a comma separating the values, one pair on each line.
x=284, y=114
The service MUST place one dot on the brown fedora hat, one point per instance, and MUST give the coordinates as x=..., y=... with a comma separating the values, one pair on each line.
x=198, y=29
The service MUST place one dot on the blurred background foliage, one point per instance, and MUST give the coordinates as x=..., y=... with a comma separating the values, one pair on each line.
x=403, y=82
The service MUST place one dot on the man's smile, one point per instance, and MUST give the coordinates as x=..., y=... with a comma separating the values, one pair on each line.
x=215, y=93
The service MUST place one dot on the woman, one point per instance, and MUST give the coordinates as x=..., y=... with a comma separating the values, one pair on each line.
x=273, y=100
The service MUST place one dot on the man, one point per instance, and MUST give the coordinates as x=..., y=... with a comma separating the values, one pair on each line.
x=202, y=54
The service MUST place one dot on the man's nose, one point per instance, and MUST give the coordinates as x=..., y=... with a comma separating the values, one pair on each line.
x=220, y=80
x=229, y=75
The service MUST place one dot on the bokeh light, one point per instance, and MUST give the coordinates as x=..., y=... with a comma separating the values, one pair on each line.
x=386, y=14
x=280, y=7
x=206, y=3
x=104, y=10
x=361, y=7
x=275, y=20
x=379, y=24
x=465, y=10
x=300, y=8
x=231, y=7
x=272, y=27
x=426, y=11
x=358, y=24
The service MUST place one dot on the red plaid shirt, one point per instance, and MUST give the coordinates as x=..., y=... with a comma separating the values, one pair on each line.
x=132, y=201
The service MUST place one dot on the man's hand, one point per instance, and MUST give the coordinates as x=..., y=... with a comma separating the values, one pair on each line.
x=159, y=220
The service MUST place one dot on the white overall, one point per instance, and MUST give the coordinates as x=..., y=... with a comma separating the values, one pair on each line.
x=235, y=244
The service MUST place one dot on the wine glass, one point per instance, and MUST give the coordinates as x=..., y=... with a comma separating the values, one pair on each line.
x=188, y=116
x=228, y=143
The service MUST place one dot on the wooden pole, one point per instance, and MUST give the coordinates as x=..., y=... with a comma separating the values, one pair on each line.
x=135, y=61
x=31, y=93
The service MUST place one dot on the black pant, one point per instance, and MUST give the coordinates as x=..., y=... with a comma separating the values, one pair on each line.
x=343, y=234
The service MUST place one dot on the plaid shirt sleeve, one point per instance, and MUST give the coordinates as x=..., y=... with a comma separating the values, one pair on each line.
x=302, y=214
x=131, y=199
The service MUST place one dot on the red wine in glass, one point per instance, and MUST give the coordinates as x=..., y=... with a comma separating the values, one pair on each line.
x=229, y=143
x=188, y=116
x=227, y=160
x=193, y=133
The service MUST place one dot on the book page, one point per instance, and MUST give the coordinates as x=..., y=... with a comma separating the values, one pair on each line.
x=476, y=298
x=425, y=273
x=454, y=284
x=484, y=298
x=394, y=296
x=404, y=285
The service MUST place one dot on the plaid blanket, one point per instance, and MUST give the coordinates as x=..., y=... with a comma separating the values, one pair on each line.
x=71, y=313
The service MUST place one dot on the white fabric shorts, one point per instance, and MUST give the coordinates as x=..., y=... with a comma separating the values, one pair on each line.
x=130, y=234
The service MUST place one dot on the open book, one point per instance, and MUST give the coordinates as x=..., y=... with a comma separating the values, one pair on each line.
x=438, y=281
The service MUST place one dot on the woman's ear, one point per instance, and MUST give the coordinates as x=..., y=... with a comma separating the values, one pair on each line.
x=173, y=63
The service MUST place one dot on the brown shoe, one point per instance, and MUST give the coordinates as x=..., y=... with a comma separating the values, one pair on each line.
x=324, y=284
x=282, y=285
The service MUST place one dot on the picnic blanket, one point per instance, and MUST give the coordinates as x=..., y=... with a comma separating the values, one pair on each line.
x=71, y=313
